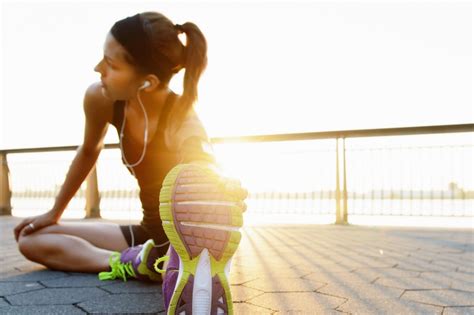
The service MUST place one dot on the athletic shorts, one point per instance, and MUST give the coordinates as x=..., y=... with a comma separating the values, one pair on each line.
x=140, y=235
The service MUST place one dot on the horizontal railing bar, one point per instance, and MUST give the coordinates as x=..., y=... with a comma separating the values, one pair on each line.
x=53, y=149
x=350, y=133
x=355, y=133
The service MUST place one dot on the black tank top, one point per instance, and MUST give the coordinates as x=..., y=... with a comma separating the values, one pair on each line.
x=157, y=162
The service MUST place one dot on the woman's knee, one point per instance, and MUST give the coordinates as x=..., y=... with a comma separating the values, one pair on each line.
x=26, y=246
x=34, y=248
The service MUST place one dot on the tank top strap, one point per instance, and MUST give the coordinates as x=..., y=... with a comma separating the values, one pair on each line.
x=117, y=118
x=119, y=111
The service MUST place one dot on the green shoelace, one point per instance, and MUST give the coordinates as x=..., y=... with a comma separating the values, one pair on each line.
x=158, y=261
x=118, y=269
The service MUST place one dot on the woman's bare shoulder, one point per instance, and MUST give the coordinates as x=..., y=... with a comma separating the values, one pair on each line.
x=96, y=105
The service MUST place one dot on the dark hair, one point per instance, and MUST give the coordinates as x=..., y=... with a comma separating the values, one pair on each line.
x=158, y=50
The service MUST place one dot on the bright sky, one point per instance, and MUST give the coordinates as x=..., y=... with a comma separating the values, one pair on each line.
x=274, y=67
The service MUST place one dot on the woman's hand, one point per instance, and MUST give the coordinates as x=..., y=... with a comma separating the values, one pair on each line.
x=234, y=189
x=231, y=186
x=33, y=224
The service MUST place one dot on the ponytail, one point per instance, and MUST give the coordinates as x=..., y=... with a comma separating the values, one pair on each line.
x=194, y=62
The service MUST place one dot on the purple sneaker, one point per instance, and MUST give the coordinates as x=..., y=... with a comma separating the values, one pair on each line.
x=170, y=277
x=135, y=262
x=201, y=213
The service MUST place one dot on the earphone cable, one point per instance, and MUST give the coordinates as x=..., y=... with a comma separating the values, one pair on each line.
x=130, y=166
x=144, y=140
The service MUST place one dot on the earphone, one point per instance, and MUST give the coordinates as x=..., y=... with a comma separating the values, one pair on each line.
x=145, y=85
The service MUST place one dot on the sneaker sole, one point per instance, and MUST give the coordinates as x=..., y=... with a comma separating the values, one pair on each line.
x=203, y=227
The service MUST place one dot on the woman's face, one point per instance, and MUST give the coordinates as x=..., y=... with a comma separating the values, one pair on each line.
x=119, y=79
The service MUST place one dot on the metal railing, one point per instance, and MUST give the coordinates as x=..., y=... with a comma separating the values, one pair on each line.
x=289, y=195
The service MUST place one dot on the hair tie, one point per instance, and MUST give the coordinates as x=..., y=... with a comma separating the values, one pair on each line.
x=179, y=28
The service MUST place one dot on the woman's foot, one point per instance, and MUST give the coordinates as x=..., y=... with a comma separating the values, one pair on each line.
x=135, y=262
x=201, y=213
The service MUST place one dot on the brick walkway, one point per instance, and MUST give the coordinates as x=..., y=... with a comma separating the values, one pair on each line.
x=310, y=269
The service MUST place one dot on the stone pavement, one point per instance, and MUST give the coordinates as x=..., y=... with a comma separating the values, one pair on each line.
x=279, y=269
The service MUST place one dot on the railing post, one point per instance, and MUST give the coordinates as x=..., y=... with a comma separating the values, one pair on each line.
x=341, y=212
x=92, y=195
x=5, y=191
x=338, y=190
x=344, y=211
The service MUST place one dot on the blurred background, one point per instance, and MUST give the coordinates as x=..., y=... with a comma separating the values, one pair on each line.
x=275, y=67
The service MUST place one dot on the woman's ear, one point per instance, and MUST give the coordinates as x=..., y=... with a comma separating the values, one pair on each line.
x=154, y=81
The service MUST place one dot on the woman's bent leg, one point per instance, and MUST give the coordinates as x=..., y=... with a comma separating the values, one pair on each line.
x=80, y=247
x=64, y=252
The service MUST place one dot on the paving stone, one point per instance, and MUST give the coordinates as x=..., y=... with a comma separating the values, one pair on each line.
x=300, y=271
x=297, y=312
x=79, y=274
x=3, y=302
x=469, y=269
x=447, y=277
x=243, y=294
x=43, y=274
x=131, y=286
x=310, y=267
x=419, y=266
x=330, y=277
x=412, y=283
x=237, y=278
x=314, y=261
x=301, y=301
x=41, y=309
x=27, y=266
x=270, y=271
x=255, y=261
x=448, y=264
x=440, y=297
x=359, y=290
x=462, y=285
x=374, y=273
x=82, y=280
x=55, y=296
x=8, y=288
x=280, y=284
x=124, y=303
x=391, y=256
x=447, y=251
x=354, y=264
x=388, y=306
x=6, y=274
x=462, y=310
x=434, y=257
x=245, y=308
x=350, y=264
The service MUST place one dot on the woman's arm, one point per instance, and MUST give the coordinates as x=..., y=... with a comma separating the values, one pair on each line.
x=96, y=126
x=96, y=111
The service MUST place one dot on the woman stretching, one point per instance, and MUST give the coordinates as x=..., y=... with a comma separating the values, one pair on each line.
x=191, y=214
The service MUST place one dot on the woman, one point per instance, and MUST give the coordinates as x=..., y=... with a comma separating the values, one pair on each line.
x=159, y=132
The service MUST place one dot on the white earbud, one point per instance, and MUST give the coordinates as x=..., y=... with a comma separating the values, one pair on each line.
x=145, y=85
